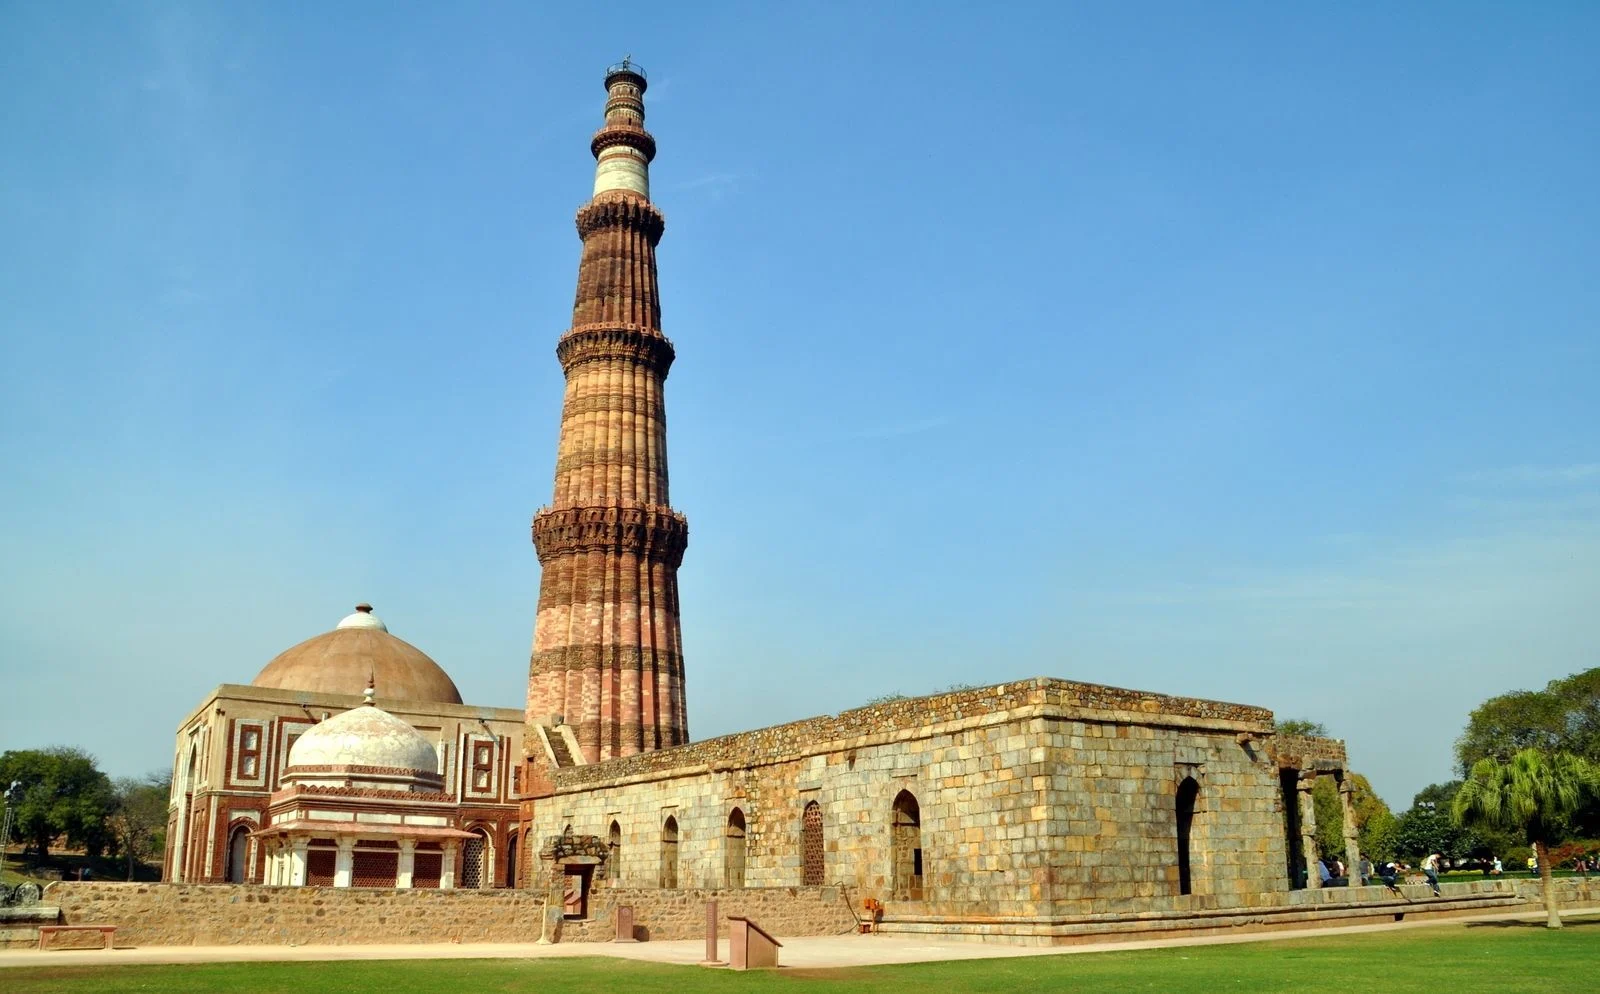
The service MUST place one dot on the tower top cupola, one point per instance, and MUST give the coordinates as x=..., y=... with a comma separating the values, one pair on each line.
x=623, y=148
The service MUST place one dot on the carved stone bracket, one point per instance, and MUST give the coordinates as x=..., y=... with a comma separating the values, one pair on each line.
x=616, y=210
x=655, y=532
x=596, y=342
x=623, y=134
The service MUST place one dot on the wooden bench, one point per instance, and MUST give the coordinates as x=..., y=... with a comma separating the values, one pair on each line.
x=107, y=933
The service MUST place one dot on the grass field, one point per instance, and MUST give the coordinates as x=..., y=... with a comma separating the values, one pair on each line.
x=1455, y=959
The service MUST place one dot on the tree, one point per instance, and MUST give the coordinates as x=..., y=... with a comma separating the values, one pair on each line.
x=1374, y=820
x=1427, y=829
x=1301, y=726
x=1563, y=717
x=1330, y=819
x=1537, y=793
x=61, y=793
x=139, y=819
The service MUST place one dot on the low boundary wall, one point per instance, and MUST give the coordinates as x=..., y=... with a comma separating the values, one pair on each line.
x=242, y=914
x=253, y=915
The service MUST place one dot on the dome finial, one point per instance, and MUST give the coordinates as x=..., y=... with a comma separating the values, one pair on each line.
x=372, y=688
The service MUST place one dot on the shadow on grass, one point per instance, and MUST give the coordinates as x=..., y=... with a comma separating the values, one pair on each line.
x=1512, y=923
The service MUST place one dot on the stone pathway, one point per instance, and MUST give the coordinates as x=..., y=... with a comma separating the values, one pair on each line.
x=813, y=952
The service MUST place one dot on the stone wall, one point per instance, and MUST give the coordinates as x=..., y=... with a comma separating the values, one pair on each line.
x=247, y=914
x=680, y=914
x=1036, y=798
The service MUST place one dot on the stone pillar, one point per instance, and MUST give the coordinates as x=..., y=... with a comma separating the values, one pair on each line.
x=297, y=863
x=1352, y=837
x=447, y=867
x=344, y=862
x=408, y=863
x=711, y=932
x=1308, y=827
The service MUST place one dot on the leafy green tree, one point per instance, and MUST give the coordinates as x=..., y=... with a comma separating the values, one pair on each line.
x=60, y=792
x=1563, y=717
x=1437, y=794
x=1301, y=726
x=139, y=819
x=1330, y=819
x=1537, y=793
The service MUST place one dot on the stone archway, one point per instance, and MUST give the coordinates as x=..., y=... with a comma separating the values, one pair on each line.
x=811, y=848
x=238, y=851
x=906, y=845
x=734, y=852
x=1188, y=793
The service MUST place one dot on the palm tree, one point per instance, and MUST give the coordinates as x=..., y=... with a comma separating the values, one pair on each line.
x=1535, y=794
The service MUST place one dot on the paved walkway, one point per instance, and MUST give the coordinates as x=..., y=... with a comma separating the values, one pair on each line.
x=813, y=952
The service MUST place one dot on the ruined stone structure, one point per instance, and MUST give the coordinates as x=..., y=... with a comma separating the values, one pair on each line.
x=607, y=653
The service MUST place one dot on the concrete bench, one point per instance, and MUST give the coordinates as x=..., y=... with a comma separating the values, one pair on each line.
x=107, y=933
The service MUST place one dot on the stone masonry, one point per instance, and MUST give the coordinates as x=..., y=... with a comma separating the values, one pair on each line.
x=607, y=651
x=1037, y=799
x=248, y=914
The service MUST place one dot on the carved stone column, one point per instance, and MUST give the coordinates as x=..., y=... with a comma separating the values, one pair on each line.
x=344, y=862
x=408, y=863
x=447, y=867
x=1308, y=827
x=297, y=863
x=1352, y=836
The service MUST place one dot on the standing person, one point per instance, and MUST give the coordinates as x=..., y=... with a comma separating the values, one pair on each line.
x=1430, y=867
x=1364, y=870
x=1497, y=867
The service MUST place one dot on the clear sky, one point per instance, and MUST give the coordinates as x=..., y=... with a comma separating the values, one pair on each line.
x=1243, y=351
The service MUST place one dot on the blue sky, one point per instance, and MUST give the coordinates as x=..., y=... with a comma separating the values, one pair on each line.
x=1241, y=351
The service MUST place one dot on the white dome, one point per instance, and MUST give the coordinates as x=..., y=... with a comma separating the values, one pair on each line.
x=363, y=618
x=367, y=737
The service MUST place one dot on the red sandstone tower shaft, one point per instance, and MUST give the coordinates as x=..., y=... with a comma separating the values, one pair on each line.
x=607, y=651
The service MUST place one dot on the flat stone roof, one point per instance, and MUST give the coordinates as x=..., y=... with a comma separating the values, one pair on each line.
x=912, y=718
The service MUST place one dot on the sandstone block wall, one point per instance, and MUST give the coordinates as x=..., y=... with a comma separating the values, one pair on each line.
x=246, y=914
x=680, y=914
x=1037, y=798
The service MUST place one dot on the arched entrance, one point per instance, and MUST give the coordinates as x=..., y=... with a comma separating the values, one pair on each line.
x=475, y=861
x=1188, y=791
x=238, y=846
x=733, y=854
x=906, y=840
x=811, y=857
x=669, y=852
x=511, y=859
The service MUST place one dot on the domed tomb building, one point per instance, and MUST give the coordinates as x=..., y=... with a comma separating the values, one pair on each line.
x=417, y=772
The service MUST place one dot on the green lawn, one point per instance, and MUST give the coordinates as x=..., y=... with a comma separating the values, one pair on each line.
x=1444, y=960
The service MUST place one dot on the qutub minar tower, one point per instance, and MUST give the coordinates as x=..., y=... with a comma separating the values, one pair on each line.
x=607, y=651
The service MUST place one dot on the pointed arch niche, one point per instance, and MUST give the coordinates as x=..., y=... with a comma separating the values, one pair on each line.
x=734, y=850
x=906, y=842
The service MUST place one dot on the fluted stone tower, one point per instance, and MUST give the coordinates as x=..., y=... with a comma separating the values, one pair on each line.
x=607, y=652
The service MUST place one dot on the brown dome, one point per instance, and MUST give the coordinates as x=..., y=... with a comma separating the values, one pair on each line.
x=361, y=648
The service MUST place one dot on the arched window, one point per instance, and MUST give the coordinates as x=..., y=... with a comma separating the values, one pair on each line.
x=511, y=859
x=669, y=852
x=614, y=852
x=733, y=854
x=906, y=841
x=475, y=861
x=811, y=864
x=1188, y=790
x=238, y=843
